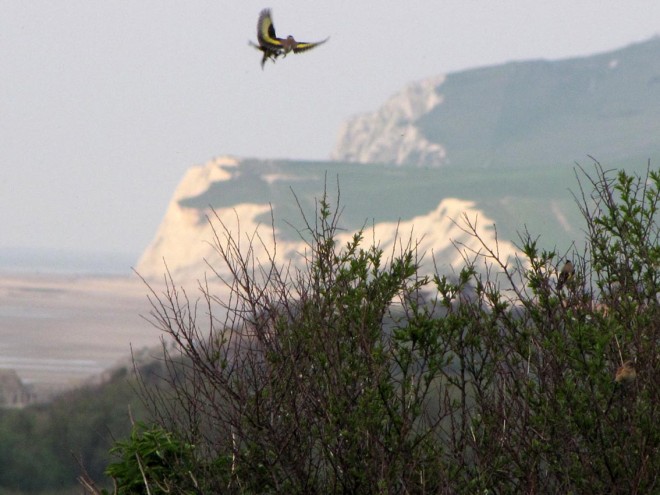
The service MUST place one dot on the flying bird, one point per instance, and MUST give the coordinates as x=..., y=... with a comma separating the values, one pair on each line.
x=272, y=46
x=566, y=273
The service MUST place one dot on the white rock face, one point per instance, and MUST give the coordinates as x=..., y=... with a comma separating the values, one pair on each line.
x=185, y=238
x=181, y=238
x=389, y=135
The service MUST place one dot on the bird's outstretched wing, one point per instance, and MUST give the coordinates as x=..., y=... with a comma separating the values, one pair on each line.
x=304, y=46
x=266, y=31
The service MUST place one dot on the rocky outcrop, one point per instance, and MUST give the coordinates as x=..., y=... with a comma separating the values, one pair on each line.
x=389, y=135
x=13, y=393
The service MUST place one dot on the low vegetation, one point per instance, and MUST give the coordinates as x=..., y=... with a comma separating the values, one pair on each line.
x=359, y=373
x=42, y=447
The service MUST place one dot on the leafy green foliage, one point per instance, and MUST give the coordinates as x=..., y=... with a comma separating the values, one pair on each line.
x=43, y=447
x=358, y=373
x=152, y=461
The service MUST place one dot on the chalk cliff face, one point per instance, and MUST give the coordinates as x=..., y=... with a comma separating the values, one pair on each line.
x=390, y=134
x=181, y=241
x=184, y=241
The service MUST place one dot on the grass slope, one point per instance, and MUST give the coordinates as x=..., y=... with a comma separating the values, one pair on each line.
x=513, y=197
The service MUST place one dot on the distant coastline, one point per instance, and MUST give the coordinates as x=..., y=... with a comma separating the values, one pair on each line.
x=36, y=261
x=61, y=330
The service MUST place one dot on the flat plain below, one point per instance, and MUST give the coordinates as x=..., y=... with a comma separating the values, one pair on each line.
x=58, y=331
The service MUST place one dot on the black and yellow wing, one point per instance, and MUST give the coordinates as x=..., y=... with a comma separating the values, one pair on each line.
x=266, y=32
x=304, y=46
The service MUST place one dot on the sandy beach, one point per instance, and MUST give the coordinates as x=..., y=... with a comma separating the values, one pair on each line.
x=59, y=331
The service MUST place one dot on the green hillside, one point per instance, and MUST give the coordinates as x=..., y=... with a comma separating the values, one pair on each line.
x=545, y=113
x=513, y=197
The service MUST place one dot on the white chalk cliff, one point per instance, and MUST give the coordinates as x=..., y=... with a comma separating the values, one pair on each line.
x=184, y=240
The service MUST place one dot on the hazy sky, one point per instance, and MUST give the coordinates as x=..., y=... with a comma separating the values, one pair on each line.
x=104, y=105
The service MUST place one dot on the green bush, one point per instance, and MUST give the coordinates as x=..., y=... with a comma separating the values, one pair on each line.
x=151, y=462
x=74, y=430
x=359, y=373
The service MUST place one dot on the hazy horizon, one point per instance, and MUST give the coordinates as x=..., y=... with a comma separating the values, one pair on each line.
x=45, y=261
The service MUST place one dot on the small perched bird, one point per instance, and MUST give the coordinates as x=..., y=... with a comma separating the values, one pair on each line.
x=626, y=373
x=272, y=46
x=566, y=273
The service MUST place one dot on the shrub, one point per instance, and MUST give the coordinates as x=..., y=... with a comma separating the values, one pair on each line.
x=357, y=373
